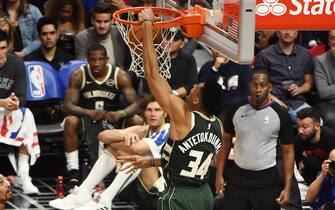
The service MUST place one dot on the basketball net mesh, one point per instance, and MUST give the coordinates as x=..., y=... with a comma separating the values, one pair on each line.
x=162, y=38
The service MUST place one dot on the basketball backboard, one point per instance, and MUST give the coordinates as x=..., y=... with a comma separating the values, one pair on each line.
x=229, y=26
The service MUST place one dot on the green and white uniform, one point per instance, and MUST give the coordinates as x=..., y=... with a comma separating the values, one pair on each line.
x=185, y=165
x=100, y=95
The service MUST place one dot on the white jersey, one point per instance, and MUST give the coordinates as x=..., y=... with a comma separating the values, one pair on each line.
x=157, y=139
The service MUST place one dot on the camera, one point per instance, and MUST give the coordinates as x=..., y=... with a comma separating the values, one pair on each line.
x=332, y=167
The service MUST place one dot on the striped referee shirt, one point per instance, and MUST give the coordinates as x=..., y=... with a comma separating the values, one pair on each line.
x=258, y=132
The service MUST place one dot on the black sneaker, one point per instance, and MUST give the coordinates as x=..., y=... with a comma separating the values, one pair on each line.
x=72, y=180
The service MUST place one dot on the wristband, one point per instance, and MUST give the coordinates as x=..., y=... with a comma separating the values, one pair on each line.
x=175, y=93
x=152, y=162
x=146, y=20
x=122, y=113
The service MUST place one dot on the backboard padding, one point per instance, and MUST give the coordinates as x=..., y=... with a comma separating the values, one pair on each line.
x=239, y=48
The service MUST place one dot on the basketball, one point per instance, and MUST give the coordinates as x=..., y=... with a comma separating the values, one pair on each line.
x=135, y=36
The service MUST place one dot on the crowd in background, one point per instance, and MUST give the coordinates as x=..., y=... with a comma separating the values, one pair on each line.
x=301, y=66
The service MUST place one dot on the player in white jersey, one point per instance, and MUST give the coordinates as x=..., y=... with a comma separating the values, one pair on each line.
x=142, y=140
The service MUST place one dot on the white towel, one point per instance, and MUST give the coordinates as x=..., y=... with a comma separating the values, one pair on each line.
x=17, y=128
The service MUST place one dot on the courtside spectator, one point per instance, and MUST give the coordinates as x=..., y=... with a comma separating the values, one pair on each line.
x=321, y=191
x=70, y=16
x=5, y=191
x=24, y=18
x=234, y=78
x=183, y=69
x=17, y=122
x=290, y=67
x=49, y=52
x=325, y=82
x=7, y=27
x=313, y=144
x=104, y=33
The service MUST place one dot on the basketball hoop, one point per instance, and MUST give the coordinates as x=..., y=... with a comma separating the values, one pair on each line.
x=167, y=23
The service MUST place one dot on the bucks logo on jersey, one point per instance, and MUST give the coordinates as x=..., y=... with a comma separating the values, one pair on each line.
x=99, y=95
x=186, y=162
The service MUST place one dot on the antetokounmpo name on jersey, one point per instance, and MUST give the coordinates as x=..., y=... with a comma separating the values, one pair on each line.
x=99, y=94
x=201, y=138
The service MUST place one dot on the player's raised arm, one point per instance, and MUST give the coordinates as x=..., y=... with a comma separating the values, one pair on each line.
x=175, y=107
x=158, y=85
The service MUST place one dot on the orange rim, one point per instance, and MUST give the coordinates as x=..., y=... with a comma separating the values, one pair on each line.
x=176, y=14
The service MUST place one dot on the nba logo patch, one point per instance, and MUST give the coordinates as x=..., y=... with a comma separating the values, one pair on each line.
x=37, y=86
x=110, y=82
x=266, y=119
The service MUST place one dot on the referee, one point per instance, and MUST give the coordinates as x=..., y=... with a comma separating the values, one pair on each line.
x=258, y=124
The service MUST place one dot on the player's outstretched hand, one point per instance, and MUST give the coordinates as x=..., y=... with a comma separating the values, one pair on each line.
x=131, y=138
x=146, y=15
x=133, y=162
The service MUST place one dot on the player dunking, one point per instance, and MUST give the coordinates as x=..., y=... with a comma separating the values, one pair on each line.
x=195, y=134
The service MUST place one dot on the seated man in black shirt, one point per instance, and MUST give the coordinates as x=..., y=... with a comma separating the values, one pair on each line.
x=92, y=100
x=183, y=68
x=48, y=52
x=234, y=78
x=313, y=145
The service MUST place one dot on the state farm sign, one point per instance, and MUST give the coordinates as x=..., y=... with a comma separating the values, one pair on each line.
x=295, y=14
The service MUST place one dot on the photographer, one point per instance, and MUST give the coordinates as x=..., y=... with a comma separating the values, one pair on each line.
x=322, y=190
x=313, y=145
x=5, y=191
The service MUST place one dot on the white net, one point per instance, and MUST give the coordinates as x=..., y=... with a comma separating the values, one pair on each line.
x=163, y=37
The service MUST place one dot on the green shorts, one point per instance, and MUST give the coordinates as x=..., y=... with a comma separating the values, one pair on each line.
x=186, y=198
x=147, y=197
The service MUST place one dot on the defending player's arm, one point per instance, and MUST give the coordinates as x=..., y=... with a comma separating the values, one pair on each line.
x=122, y=135
x=137, y=148
x=72, y=98
x=175, y=107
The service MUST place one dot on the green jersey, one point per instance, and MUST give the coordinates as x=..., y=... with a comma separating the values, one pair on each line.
x=186, y=162
x=100, y=95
